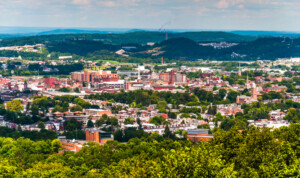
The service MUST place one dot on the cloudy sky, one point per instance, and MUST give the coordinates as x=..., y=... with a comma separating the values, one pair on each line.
x=282, y=15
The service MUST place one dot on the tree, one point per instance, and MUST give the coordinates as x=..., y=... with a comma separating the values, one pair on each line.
x=172, y=115
x=139, y=123
x=185, y=115
x=156, y=136
x=90, y=124
x=14, y=105
x=218, y=118
x=232, y=96
x=86, y=105
x=72, y=125
x=212, y=110
x=76, y=108
x=162, y=106
x=227, y=124
x=76, y=90
x=168, y=133
x=57, y=108
x=113, y=121
x=65, y=89
x=158, y=120
x=133, y=105
x=203, y=126
x=100, y=122
x=28, y=107
x=34, y=110
x=293, y=115
x=56, y=145
x=41, y=125
x=95, y=106
x=118, y=135
x=129, y=121
x=19, y=128
x=268, y=85
x=222, y=93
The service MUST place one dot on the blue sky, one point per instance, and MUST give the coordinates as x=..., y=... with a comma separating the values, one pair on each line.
x=280, y=15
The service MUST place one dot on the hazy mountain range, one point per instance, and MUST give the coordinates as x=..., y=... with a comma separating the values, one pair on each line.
x=6, y=32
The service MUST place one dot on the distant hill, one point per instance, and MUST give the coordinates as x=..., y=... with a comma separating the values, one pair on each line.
x=266, y=48
x=227, y=35
x=68, y=31
x=19, y=41
x=213, y=36
x=178, y=46
x=143, y=37
x=184, y=48
x=260, y=49
x=80, y=47
x=267, y=33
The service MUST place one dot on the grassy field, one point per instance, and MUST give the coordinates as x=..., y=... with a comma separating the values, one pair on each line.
x=113, y=62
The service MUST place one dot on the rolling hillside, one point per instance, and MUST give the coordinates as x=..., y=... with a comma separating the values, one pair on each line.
x=143, y=37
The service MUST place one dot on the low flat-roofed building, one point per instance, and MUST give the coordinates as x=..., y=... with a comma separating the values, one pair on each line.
x=97, y=112
x=96, y=135
x=197, y=135
x=71, y=145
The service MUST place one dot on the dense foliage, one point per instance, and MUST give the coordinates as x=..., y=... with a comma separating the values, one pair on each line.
x=139, y=37
x=179, y=46
x=260, y=49
x=36, y=69
x=253, y=153
x=146, y=97
x=32, y=135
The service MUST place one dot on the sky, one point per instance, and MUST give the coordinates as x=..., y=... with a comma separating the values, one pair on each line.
x=269, y=15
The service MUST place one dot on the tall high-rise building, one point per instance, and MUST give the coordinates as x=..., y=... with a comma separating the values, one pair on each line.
x=254, y=92
x=172, y=77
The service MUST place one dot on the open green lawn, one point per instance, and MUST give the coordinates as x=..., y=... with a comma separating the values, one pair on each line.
x=112, y=62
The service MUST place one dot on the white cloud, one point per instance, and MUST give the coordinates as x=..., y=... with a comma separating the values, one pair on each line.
x=81, y=2
x=108, y=3
x=147, y=13
x=222, y=4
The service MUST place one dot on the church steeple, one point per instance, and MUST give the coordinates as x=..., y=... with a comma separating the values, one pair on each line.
x=247, y=83
x=240, y=72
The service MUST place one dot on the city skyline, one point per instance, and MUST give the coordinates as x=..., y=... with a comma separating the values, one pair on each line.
x=266, y=15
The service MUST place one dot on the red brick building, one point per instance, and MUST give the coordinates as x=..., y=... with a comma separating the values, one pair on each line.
x=163, y=87
x=90, y=76
x=94, y=135
x=49, y=82
x=197, y=135
x=3, y=80
x=172, y=77
x=71, y=145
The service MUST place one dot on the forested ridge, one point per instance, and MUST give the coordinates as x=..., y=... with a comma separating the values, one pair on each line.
x=139, y=37
x=185, y=48
x=260, y=49
x=178, y=46
x=253, y=152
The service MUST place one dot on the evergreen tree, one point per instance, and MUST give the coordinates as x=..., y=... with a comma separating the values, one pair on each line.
x=41, y=125
x=139, y=123
x=90, y=124
x=168, y=133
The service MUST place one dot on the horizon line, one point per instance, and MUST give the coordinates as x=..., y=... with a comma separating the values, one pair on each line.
x=149, y=29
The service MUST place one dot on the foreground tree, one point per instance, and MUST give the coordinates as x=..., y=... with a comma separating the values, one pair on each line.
x=14, y=105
